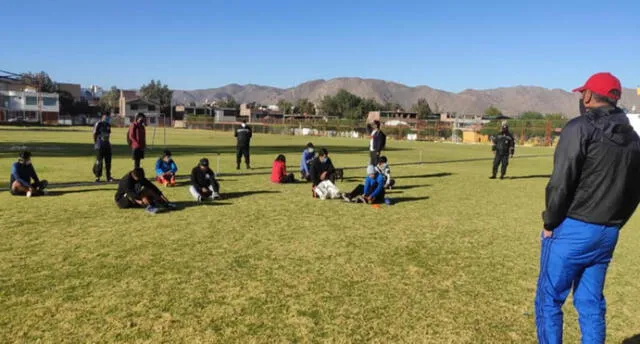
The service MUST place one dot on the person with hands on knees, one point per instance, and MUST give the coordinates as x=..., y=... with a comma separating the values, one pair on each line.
x=22, y=174
x=136, y=191
x=166, y=169
x=203, y=182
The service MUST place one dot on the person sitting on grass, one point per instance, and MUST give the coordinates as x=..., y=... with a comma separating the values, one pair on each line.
x=372, y=192
x=383, y=168
x=136, y=191
x=308, y=154
x=203, y=182
x=22, y=173
x=321, y=169
x=279, y=171
x=166, y=169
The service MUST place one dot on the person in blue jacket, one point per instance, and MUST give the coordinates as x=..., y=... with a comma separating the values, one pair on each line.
x=22, y=173
x=308, y=154
x=166, y=169
x=371, y=192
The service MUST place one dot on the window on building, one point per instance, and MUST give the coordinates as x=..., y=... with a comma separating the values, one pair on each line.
x=48, y=101
x=134, y=106
x=29, y=100
x=152, y=108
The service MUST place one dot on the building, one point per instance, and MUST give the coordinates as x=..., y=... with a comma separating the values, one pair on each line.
x=226, y=115
x=73, y=89
x=29, y=106
x=393, y=118
x=131, y=105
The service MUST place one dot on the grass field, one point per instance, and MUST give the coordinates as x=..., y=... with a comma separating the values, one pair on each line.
x=455, y=260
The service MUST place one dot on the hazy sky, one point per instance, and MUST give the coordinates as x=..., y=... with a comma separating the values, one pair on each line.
x=450, y=45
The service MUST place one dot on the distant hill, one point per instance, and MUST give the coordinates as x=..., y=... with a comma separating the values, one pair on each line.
x=511, y=100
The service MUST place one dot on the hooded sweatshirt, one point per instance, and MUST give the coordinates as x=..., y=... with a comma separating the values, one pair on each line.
x=596, y=173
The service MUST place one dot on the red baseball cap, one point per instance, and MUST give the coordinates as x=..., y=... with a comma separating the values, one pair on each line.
x=602, y=84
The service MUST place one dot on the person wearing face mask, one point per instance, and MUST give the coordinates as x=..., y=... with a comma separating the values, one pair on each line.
x=22, y=173
x=593, y=191
x=102, y=144
x=321, y=169
x=504, y=147
x=137, y=139
x=243, y=137
x=308, y=154
x=166, y=169
x=383, y=169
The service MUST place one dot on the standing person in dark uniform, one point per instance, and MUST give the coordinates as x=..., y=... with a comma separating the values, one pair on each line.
x=243, y=136
x=504, y=147
x=102, y=144
x=377, y=143
x=137, y=139
x=593, y=191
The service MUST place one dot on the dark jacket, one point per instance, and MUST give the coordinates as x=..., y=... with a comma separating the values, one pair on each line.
x=202, y=179
x=137, y=136
x=379, y=141
x=318, y=167
x=504, y=144
x=23, y=173
x=243, y=136
x=101, y=134
x=596, y=171
x=131, y=188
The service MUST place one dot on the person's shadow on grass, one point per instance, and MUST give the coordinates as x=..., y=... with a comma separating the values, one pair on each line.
x=61, y=192
x=632, y=340
x=240, y=194
x=397, y=200
x=182, y=205
x=533, y=176
x=409, y=187
x=432, y=175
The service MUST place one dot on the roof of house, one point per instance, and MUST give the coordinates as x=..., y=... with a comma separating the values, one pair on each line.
x=140, y=100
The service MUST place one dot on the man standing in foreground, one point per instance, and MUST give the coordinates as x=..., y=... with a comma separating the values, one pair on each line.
x=504, y=147
x=243, y=136
x=101, y=140
x=593, y=191
x=137, y=139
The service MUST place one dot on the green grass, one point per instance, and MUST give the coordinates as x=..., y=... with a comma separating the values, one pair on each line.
x=454, y=261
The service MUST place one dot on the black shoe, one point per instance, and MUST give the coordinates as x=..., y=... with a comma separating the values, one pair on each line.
x=110, y=180
x=501, y=177
x=238, y=167
x=98, y=180
x=492, y=177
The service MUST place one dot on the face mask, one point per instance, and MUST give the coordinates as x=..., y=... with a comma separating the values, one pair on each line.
x=107, y=120
x=28, y=162
x=583, y=109
x=310, y=150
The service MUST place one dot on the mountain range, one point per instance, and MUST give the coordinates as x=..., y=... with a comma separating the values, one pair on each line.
x=512, y=101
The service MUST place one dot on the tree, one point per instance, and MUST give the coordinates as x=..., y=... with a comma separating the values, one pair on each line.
x=285, y=106
x=531, y=115
x=110, y=100
x=348, y=105
x=304, y=106
x=492, y=111
x=66, y=103
x=554, y=116
x=422, y=108
x=155, y=91
x=41, y=81
x=391, y=106
x=229, y=103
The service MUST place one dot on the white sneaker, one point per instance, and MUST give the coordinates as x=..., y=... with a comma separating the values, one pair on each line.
x=28, y=194
x=215, y=195
x=199, y=199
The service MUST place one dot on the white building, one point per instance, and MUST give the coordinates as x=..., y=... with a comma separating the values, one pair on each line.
x=29, y=106
x=131, y=105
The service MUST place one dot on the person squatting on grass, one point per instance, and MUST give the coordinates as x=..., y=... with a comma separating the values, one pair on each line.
x=136, y=138
x=203, y=182
x=372, y=192
x=102, y=145
x=166, y=169
x=22, y=173
x=322, y=169
x=383, y=168
x=504, y=147
x=279, y=171
x=243, y=139
x=135, y=191
x=308, y=154
x=593, y=191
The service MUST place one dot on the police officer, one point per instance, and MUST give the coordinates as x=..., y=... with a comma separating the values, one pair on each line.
x=593, y=191
x=503, y=146
x=102, y=144
x=243, y=136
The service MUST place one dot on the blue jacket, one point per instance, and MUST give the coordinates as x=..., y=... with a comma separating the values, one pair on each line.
x=23, y=174
x=164, y=167
x=374, y=188
x=305, y=160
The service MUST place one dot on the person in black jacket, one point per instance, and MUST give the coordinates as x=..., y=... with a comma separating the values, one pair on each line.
x=322, y=168
x=243, y=136
x=22, y=175
x=504, y=147
x=203, y=182
x=592, y=193
x=377, y=143
x=102, y=144
x=134, y=191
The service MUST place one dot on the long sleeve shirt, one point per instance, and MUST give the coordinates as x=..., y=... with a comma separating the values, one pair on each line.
x=163, y=167
x=374, y=187
x=23, y=173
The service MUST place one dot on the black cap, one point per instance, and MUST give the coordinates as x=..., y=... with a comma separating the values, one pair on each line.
x=166, y=153
x=324, y=152
x=25, y=155
x=204, y=162
x=309, y=145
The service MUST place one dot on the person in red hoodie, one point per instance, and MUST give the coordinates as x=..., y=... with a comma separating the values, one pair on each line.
x=137, y=139
x=279, y=171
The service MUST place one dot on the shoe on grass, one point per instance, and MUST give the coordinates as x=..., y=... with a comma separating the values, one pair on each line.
x=151, y=209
